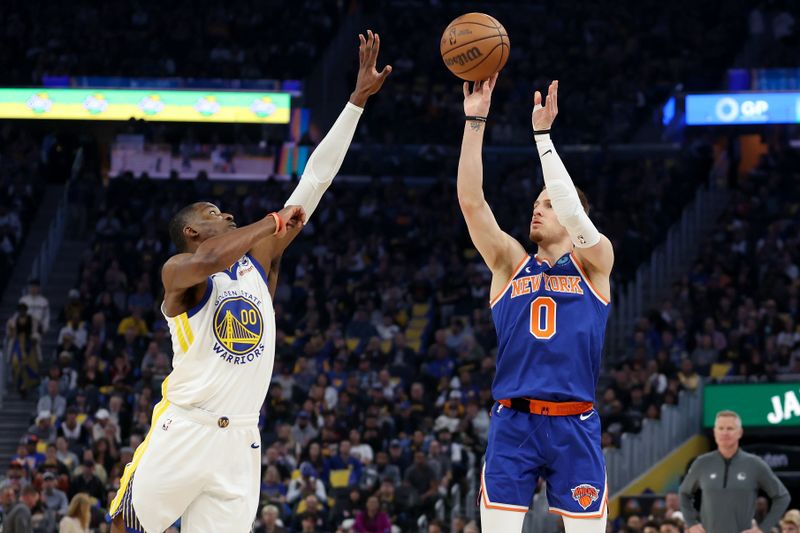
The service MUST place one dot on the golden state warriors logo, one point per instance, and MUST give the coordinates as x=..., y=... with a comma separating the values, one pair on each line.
x=238, y=327
x=585, y=495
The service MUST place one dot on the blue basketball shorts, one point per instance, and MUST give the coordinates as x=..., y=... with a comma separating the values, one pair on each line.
x=564, y=450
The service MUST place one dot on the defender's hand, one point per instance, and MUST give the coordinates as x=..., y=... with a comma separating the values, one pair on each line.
x=369, y=80
x=292, y=216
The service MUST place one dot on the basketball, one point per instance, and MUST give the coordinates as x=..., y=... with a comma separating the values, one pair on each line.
x=475, y=46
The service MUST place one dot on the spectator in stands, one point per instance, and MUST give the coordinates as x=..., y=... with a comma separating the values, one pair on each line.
x=88, y=482
x=422, y=478
x=22, y=349
x=310, y=515
x=307, y=483
x=17, y=517
x=53, y=402
x=43, y=429
x=790, y=523
x=343, y=461
x=372, y=520
x=52, y=465
x=302, y=431
x=38, y=305
x=269, y=521
x=78, y=515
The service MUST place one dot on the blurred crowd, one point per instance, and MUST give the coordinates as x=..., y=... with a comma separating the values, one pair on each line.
x=197, y=39
x=733, y=316
x=20, y=189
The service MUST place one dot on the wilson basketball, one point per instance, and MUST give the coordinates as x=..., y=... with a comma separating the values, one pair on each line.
x=475, y=46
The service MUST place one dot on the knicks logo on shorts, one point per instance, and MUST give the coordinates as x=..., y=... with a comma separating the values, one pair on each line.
x=238, y=325
x=585, y=495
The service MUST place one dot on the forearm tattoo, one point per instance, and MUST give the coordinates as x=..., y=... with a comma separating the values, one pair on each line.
x=475, y=125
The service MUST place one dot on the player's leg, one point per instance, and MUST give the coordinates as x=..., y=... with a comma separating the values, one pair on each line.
x=586, y=525
x=511, y=470
x=232, y=493
x=163, y=478
x=576, y=481
x=501, y=520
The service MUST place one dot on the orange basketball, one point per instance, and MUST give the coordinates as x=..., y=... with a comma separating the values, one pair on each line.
x=475, y=46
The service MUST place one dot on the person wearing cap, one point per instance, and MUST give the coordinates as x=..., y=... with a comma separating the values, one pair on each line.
x=103, y=426
x=33, y=458
x=730, y=479
x=73, y=305
x=43, y=429
x=53, y=498
x=87, y=482
x=303, y=431
x=307, y=483
x=16, y=475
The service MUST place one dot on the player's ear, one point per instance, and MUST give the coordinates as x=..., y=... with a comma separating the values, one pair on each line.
x=190, y=233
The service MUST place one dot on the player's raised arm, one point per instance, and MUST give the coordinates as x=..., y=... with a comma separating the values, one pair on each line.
x=325, y=162
x=500, y=251
x=592, y=248
x=327, y=158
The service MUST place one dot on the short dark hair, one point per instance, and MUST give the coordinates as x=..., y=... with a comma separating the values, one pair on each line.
x=581, y=197
x=178, y=222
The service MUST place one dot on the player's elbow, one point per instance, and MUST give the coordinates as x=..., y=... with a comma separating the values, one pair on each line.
x=470, y=202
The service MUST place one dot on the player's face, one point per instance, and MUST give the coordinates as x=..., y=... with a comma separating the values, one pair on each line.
x=544, y=223
x=210, y=221
x=727, y=431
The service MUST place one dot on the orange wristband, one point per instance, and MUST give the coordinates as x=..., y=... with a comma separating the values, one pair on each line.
x=278, y=223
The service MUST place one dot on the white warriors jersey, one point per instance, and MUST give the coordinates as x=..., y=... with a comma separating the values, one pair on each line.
x=225, y=345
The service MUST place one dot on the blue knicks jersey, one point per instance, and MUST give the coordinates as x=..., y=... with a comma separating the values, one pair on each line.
x=550, y=326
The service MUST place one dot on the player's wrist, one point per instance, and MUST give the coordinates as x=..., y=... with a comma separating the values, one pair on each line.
x=279, y=223
x=359, y=97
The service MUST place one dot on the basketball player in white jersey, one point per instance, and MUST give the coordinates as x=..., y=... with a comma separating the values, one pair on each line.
x=201, y=459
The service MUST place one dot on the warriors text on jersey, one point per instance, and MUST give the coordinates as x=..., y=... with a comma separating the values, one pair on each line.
x=225, y=346
x=550, y=326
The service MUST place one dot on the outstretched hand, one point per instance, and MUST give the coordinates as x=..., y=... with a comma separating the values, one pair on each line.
x=369, y=80
x=478, y=101
x=292, y=217
x=543, y=115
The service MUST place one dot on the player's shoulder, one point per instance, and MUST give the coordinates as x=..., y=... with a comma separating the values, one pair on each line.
x=178, y=258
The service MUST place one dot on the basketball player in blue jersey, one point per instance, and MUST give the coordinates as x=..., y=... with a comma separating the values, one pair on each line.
x=550, y=312
x=201, y=460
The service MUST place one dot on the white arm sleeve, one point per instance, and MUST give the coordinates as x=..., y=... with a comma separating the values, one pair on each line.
x=326, y=161
x=564, y=196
